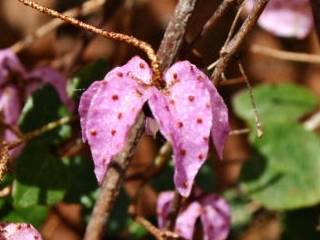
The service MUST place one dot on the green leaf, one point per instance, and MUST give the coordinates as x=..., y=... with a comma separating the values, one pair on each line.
x=275, y=103
x=82, y=179
x=136, y=230
x=40, y=177
x=284, y=172
x=42, y=107
x=85, y=76
x=35, y=215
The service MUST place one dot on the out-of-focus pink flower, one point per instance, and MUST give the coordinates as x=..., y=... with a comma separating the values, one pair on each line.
x=212, y=210
x=187, y=112
x=16, y=84
x=18, y=231
x=286, y=18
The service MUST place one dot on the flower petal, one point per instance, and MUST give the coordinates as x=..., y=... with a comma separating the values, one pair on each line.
x=215, y=217
x=53, y=77
x=114, y=109
x=286, y=18
x=10, y=105
x=84, y=105
x=18, y=231
x=185, y=119
x=9, y=63
x=220, y=122
x=186, y=220
x=163, y=207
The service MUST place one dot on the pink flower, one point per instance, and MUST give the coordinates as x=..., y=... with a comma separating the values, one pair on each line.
x=16, y=84
x=18, y=231
x=187, y=111
x=212, y=210
x=286, y=18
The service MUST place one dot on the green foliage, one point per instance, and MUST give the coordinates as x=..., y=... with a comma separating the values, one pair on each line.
x=283, y=172
x=275, y=103
x=85, y=76
x=42, y=107
x=41, y=178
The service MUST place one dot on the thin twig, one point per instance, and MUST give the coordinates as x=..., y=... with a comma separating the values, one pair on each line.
x=114, y=178
x=176, y=29
x=228, y=52
x=146, y=47
x=156, y=232
x=315, y=4
x=313, y=122
x=86, y=8
x=174, y=211
x=285, y=55
x=213, y=20
x=4, y=159
x=239, y=131
x=259, y=130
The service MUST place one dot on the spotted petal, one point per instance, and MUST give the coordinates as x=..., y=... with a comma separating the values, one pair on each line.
x=185, y=119
x=286, y=18
x=84, y=105
x=18, y=231
x=215, y=217
x=220, y=117
x=114, y=110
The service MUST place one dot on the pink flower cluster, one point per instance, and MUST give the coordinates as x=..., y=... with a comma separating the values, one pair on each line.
x=187, y=111
x=212, y=210
x=286, y=18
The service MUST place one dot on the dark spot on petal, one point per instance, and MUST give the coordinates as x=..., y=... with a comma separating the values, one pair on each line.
x=208, y=105
x=206, y=139
x=183, y=152
x=175, y=76
x=199, y=120
x=180, y=124
x=93, y=132
x=113, y=132
x=191, y=69
x=120, y=74
x=199, y=78
x=28, y=225
x=191, y=98
x=19, y=226
x=200, y=156
x=185, y=184
x=172, y=102
x=139, y=94
x=119, y=115
x=115, y=97
x=141, y=65
x=36, y=237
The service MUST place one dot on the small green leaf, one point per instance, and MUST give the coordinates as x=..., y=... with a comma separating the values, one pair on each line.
x=82, y=179
x=284, y=172
x=275, y=103
x=42, y=107
x=85, y=76
x=36, y=215
x=40, y=177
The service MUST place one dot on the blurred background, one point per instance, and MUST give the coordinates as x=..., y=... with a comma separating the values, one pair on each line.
x=293, y=85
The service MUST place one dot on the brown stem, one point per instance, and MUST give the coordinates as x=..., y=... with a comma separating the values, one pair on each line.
x=112, y=183
x=175, y=32
x=110, y=35
x=114, y=178
x=316, y=15
x=233, y=46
